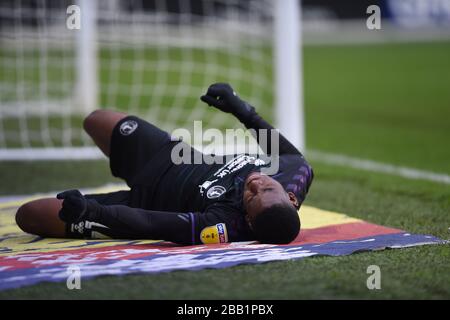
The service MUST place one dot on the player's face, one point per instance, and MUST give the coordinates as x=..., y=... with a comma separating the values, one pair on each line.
x=261, y=192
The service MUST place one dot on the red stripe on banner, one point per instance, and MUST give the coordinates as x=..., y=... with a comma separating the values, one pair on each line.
x=345, y=231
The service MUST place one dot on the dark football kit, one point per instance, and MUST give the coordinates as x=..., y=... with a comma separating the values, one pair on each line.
x=185, y=203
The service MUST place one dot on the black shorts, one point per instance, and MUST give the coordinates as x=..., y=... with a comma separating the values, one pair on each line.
x=134, y=144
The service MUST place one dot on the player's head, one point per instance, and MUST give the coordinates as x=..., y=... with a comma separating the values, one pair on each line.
x=271, y=211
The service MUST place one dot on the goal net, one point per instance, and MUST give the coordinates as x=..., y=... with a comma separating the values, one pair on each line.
x=154, y=59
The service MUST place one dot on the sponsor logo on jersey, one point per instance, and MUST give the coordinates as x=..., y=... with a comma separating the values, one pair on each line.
x=230, y=167
x=215, y=192
x=214, y=234
x=128, y=127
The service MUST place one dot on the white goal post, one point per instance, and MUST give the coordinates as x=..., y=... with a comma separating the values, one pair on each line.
x=151, y=58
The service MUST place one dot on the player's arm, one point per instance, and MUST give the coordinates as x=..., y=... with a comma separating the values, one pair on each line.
x=223, y=97
x=123, y=221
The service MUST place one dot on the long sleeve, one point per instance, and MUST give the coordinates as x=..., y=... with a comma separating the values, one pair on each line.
x=253, y=120
x=135, y=223
x=218, y=224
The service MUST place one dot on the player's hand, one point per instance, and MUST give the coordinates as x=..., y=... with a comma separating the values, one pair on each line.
x=223, y=97
x=74, y=206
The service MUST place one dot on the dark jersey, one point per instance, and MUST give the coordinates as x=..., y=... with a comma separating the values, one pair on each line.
x=212, y=194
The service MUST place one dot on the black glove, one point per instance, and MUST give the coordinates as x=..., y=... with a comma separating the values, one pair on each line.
x=223, y=97
x=74, y=207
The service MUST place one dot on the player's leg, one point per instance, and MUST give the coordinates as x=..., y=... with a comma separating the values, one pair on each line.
x=40, y=217
x=133, y=144
x=129, y=142
x=100, y=124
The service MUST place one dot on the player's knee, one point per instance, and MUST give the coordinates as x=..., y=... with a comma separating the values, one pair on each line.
x=26, y=217
x=102, y=121
x=91, y=121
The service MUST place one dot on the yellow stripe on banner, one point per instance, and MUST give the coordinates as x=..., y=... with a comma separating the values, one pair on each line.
x=312, y=217
x=13, y=241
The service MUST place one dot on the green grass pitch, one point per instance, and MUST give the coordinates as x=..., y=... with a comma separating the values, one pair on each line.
x=388, y=103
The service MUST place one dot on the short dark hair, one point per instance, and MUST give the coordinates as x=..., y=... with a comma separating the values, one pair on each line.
x=278, y=224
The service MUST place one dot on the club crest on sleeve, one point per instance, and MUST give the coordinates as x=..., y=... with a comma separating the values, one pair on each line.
x=128, y=127
x=214, y=234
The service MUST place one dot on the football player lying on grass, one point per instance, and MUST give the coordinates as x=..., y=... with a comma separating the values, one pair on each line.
x=182, y=203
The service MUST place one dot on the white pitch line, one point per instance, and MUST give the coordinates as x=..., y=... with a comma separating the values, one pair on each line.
x=374, y=166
